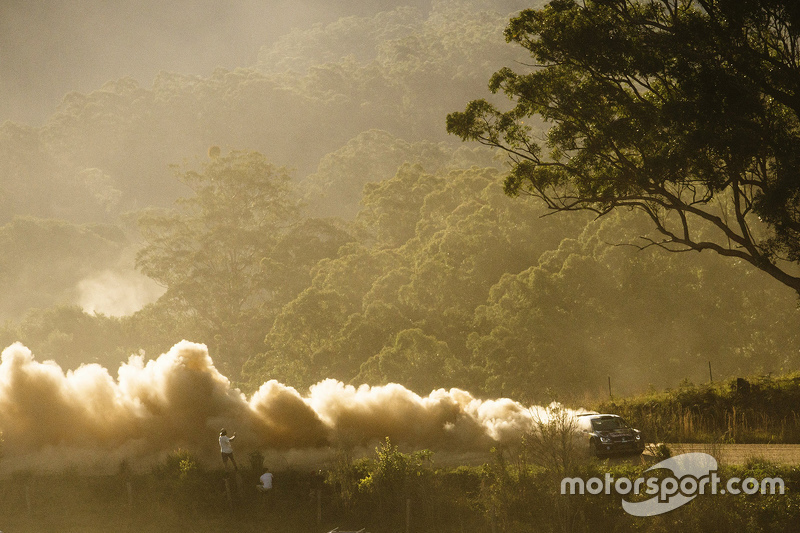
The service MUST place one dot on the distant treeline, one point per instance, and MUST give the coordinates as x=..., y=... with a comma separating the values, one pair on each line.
x=310, y=93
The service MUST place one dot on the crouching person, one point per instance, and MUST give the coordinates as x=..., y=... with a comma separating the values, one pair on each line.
x=266, y=481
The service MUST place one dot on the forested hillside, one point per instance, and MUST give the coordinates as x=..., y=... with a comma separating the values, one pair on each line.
x=309, y=217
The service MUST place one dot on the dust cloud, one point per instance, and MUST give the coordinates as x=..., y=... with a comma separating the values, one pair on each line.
x=116, y=292
x=52, y=419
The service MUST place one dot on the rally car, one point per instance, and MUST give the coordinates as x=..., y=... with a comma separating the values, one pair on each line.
x=609, y=435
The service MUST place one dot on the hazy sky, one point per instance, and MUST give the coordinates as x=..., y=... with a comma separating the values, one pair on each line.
x=51, y=47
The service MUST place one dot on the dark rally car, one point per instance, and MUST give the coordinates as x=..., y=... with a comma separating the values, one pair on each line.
x=610, y=435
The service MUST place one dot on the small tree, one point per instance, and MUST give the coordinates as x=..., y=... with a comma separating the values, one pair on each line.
x=345, y=475
x=395, y=477
x=181, y=479
x=554, y=444
x=553, y=441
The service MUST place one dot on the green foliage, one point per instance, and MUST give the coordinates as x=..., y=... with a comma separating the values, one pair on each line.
x=344, y=477
x=219, y=237
x=177, y=465
x=394, y=474
x=71, y=337
x=738, y=410
x=503, y=494
x=402, y=300
x=505, y=489
x=373, y=156
x=392, y=207
x=436, y=268
x=310, y=92
x=181, y=480
x=631, y=309
x=420, y=362
x=449, y=272
x=379, y=491
x=669, y=108
x=394, y=478
x=215, y=252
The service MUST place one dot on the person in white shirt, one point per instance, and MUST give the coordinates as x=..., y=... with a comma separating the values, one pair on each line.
x=226, y=450
x=266, y=481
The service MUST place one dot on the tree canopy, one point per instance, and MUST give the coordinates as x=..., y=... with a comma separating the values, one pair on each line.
x=447, y=272
x=687, y=110
x=215, y=251
x=309, y=93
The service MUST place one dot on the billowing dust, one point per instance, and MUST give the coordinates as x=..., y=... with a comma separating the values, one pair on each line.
x=85, y=418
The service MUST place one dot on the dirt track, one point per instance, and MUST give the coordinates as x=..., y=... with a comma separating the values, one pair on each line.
x=740, y=453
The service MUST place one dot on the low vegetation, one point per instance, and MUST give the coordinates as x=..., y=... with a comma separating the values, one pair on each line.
x=386, y=492
x=762, y=409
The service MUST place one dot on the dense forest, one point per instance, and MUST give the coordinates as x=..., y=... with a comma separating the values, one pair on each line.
x=309, y=217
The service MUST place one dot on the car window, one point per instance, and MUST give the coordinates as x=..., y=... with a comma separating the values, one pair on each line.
x=608, y=424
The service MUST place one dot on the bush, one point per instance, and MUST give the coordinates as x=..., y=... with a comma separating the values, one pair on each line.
x=182, y=480
x=395, y=476
x=553, y=442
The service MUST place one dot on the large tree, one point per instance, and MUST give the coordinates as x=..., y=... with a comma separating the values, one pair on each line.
x=217, y=251
x=685, y=109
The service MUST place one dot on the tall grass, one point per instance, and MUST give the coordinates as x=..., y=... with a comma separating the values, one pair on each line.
x=755, y=410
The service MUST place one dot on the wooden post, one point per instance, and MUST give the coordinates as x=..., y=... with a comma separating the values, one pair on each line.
x=609, y=387
x=408, y=515
x=710, y=376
